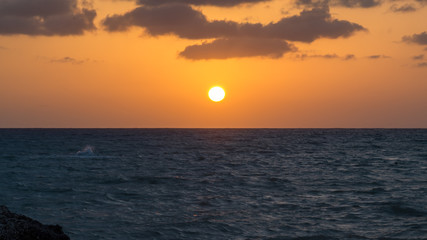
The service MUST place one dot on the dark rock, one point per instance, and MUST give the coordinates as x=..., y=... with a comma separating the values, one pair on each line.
x=19, y=227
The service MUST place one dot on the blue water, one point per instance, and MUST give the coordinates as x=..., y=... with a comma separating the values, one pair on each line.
x=219, y=183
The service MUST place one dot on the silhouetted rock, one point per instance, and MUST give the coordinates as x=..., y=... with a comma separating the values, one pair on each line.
x=19, y=227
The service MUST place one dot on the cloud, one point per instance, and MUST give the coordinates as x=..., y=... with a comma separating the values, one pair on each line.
x=311, y=25
x=420, y=38
x=418, y=57
x=408, y=7
x=185, y=22
x=403, y=9
x=326, y=56
x=349, y=57
x=3, y=48
x=44, y=17
x=220, y=3
x=238, y=47
x=68, y=60
x=378, y=56
x=181, y=20
x=339, y=3
x=30, y=8
x=423, y=64
x=229, y=38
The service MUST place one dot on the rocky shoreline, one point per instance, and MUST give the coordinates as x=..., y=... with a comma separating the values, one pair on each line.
x=19, y=227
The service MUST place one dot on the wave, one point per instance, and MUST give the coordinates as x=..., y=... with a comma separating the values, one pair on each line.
x=87, y=151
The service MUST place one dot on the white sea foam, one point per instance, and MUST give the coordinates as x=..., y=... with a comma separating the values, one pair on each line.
x=86, y=151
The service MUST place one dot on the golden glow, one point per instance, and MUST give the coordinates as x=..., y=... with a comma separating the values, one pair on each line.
x=216, y=94
x=120, y=79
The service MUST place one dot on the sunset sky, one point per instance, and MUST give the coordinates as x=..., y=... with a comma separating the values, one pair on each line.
x=151, y=63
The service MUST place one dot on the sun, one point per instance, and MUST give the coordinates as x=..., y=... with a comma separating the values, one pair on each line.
x=216, y=94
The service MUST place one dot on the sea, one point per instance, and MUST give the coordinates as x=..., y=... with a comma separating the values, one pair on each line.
x=219, y=183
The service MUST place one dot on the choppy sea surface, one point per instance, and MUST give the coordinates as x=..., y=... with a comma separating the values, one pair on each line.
x=219, y=183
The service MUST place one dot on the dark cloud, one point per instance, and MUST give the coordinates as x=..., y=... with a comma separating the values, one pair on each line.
x=420, y=38
x=312, y=3
x=378, y=56
x=311, y=25
x=403, y=9
x=340, y=3
x=44, y=17
x=2, y=48
x=230, y=38
x=31, y=8
x=358, y=3
x=68, y=60
x=238, y=48
x=326, y=56
x=185, y=22
x=423, y=64
x=418, y=57
x=425, y=49
x=181, y=20
x=220, y=3
x=349, y=57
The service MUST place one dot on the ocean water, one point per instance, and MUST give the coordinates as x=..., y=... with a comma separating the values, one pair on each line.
x=219, y=183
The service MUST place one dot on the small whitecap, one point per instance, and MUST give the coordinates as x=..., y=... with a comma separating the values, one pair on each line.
x=86, y=151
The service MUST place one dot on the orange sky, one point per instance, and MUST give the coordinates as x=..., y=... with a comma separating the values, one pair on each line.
x=139, y=63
